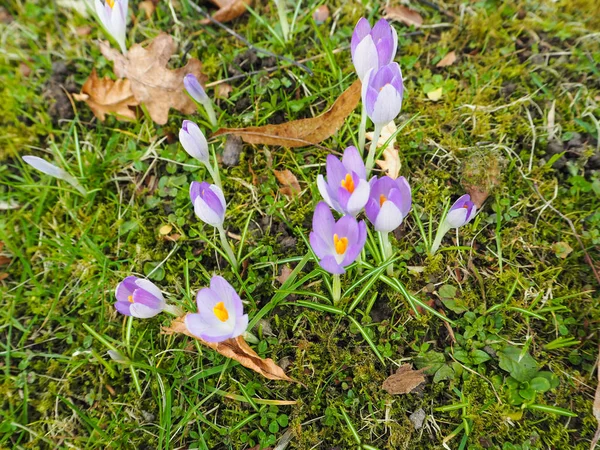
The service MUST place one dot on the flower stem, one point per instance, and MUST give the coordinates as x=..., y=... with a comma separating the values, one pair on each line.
x=441, y=232
x=210, y=112
x=285, y=28
x=337, y=288
x=214, y=173
x=373, y=148
x=227, y=248
x=386, y=249
x=362, y=131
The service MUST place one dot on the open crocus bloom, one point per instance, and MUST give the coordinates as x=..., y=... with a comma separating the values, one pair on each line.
x=193, y=141
x=209, y=203
x=389, y=203
x=382, y=93
x=113, y=15
x=139, y=298
x=337, y=244
x=372, y=48
x=220, y=313
x=347, y=188
x=461, y=212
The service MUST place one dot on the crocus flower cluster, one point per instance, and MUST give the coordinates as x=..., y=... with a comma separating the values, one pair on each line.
x=113, y=15
x=459, y=214
x=372, y=48
x=139, y=298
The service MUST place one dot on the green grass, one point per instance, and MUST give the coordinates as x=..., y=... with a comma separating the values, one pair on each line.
x=502, y=283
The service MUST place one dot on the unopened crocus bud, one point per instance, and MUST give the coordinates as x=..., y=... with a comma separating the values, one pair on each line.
x=209, y=203
x=372, y=48
x=220, y=313
x=193, y=141
x=382, y=93
x=461, y=212
x=113, y=15
x=389, y=203
x=139, y=298
x=195, y=89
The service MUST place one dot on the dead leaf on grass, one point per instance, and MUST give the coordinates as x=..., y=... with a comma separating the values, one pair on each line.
x=148, y=6
x=303, y=132
x=390, y=163
x=286, y=271
x=223, y=90
x=288, y=181
x=236, y=349
x=152, y=83
x=404, y=381
x=106, y=96
x=447, y=60
x=403, y=14
x=228, y=10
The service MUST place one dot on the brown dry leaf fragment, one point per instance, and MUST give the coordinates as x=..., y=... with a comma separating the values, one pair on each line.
x=83, y=31
x=286, y=271
x=236, y=349
x=403, y=14
x=228, y=10
x=106, y=96
x=152, y=84
x=223, y=90
x=447, y=60
x=405, y=380
x=303, y=132
x=3, y=276
x=391, y=158
x=148, y=7
x=288, y=181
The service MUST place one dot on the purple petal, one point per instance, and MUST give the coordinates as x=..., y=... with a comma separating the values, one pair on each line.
x=460, y=203
x=195, y=190
x=125, y=288
x=147, y=299
x=240, y=326
x=347, y=227
x=142, y=311
x=321, y=247
x=213, y=201
x=383, y=38
x=323, y=222
x=354, y=249
x=359, y=198
x=194, y=88
x=123, y=308
x=406, y=195
x=326, y=193
x=206, y=299
x=336, y=172
x=372, y=210
x=330, y=265
x=361, y=30
x=457, y=217
x=370, y=100
x=197, y=325
x=353, y=162
x=227, y=294
x=389, y=217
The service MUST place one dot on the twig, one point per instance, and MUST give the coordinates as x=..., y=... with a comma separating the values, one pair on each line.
x=247, y=42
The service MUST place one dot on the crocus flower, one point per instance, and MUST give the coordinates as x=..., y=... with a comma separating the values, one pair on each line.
x=195, y=89
x=193, y=141
x=54, y=171
x=337, y=244
x=220, y=313
x=346, y=189
x=209, y=203
x=138, y=297
x=372, y=48
x=113, y=15
x=382, y=92
x=461, y=212
x=389, y=203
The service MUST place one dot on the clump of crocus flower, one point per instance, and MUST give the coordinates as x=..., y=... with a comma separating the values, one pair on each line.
x=197, y=92
x=346, y=189
x=54, y=171
x=459, y=214
x=113, y=16
x=139, y=298
x=220, y=313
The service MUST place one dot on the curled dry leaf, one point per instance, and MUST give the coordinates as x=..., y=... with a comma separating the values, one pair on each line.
x=106, y=96
x=403, y=14
x=405, y=380
x=148, y=6
x=288, y=181
x=303, y=132
x=152, y=84
x=236, y=349
x=447, y=60
x=228, y=10
x=390, y=163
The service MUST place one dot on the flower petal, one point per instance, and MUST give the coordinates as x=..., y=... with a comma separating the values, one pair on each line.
x=123, y=308
x=125, y=288
x=240, y=326
x=365, y=57
x=149, y=286
x=359, y=198
x=330, y=264
x=353, y=162
x=323, y=222
x=142, y=311
x=227, y=294
x=389, y=217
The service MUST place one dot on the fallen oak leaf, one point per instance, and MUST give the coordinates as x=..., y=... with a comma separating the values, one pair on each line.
x=404, y=381
x=236, y=349
x=303, y=132
x=390, y=163
x=403, y=14
x=288, y=181
x=228, y=10
x=152, y=83
x=106, y=96
x=447, y=60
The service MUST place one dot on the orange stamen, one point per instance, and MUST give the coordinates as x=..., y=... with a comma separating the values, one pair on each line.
x=348, y=183
x=221, y=312
x=110, y=3
x=340, y=244
x=130, y=298
x=382, y=199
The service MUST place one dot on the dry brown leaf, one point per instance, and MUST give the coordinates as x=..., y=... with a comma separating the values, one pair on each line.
x=106, y=96
x=403, y=14
x=152, y=84
x=83, y=31
x=223, y=90
x=596, y=405
x=288, y=181
x=321, y=14
x=405, y=380
x=303, y=132
x=447, y=60
x=3, y=276
x=236, y=349
x=148, y=6
x=286, y=271
x=228, y=10
x=391, y=158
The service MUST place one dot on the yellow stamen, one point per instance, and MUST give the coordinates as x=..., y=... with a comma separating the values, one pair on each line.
x=348, y=183
x=340, y=244
x=381, y=88
x=130, y=298
x=221, y=312
x=382, y=199
x=110, y=3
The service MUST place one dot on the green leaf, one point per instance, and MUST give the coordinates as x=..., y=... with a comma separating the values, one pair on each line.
x=479, y=357
x=447, y=291
x=527, y=394
x=443, y=373
x=552, y=379
x=523, y=369
x=432, y=361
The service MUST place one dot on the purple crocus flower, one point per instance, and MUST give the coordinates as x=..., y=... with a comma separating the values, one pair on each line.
x=113, y=15
x=220, y=313
x=372, y=48
x=346, y=189
x=382, y=92
x=389, y=203
x=461, y=212
x=139, y=298
x=209, y=203
x=193, y=141
x=195, y=89
x=337, y=244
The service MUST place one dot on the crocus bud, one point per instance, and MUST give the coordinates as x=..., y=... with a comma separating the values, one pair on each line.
x=54, y=171
x=346, y=189
x=195, y=89
x=461, y=212
x=113, y=15
x=389, y=203
x=382, y=92
x=372, y=48
x=193, y=141
x=220, y=313
x=336, y=244
x=139, y=298
x=209, y=203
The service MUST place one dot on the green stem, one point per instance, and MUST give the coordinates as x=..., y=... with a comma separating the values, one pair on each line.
x=337, y=288
x=372, y=149
x=386, y=249
x=227, y=247
x=210, y=112
x=214, y=174
x=362, y=131
x=285, y=27
x=441, y=232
